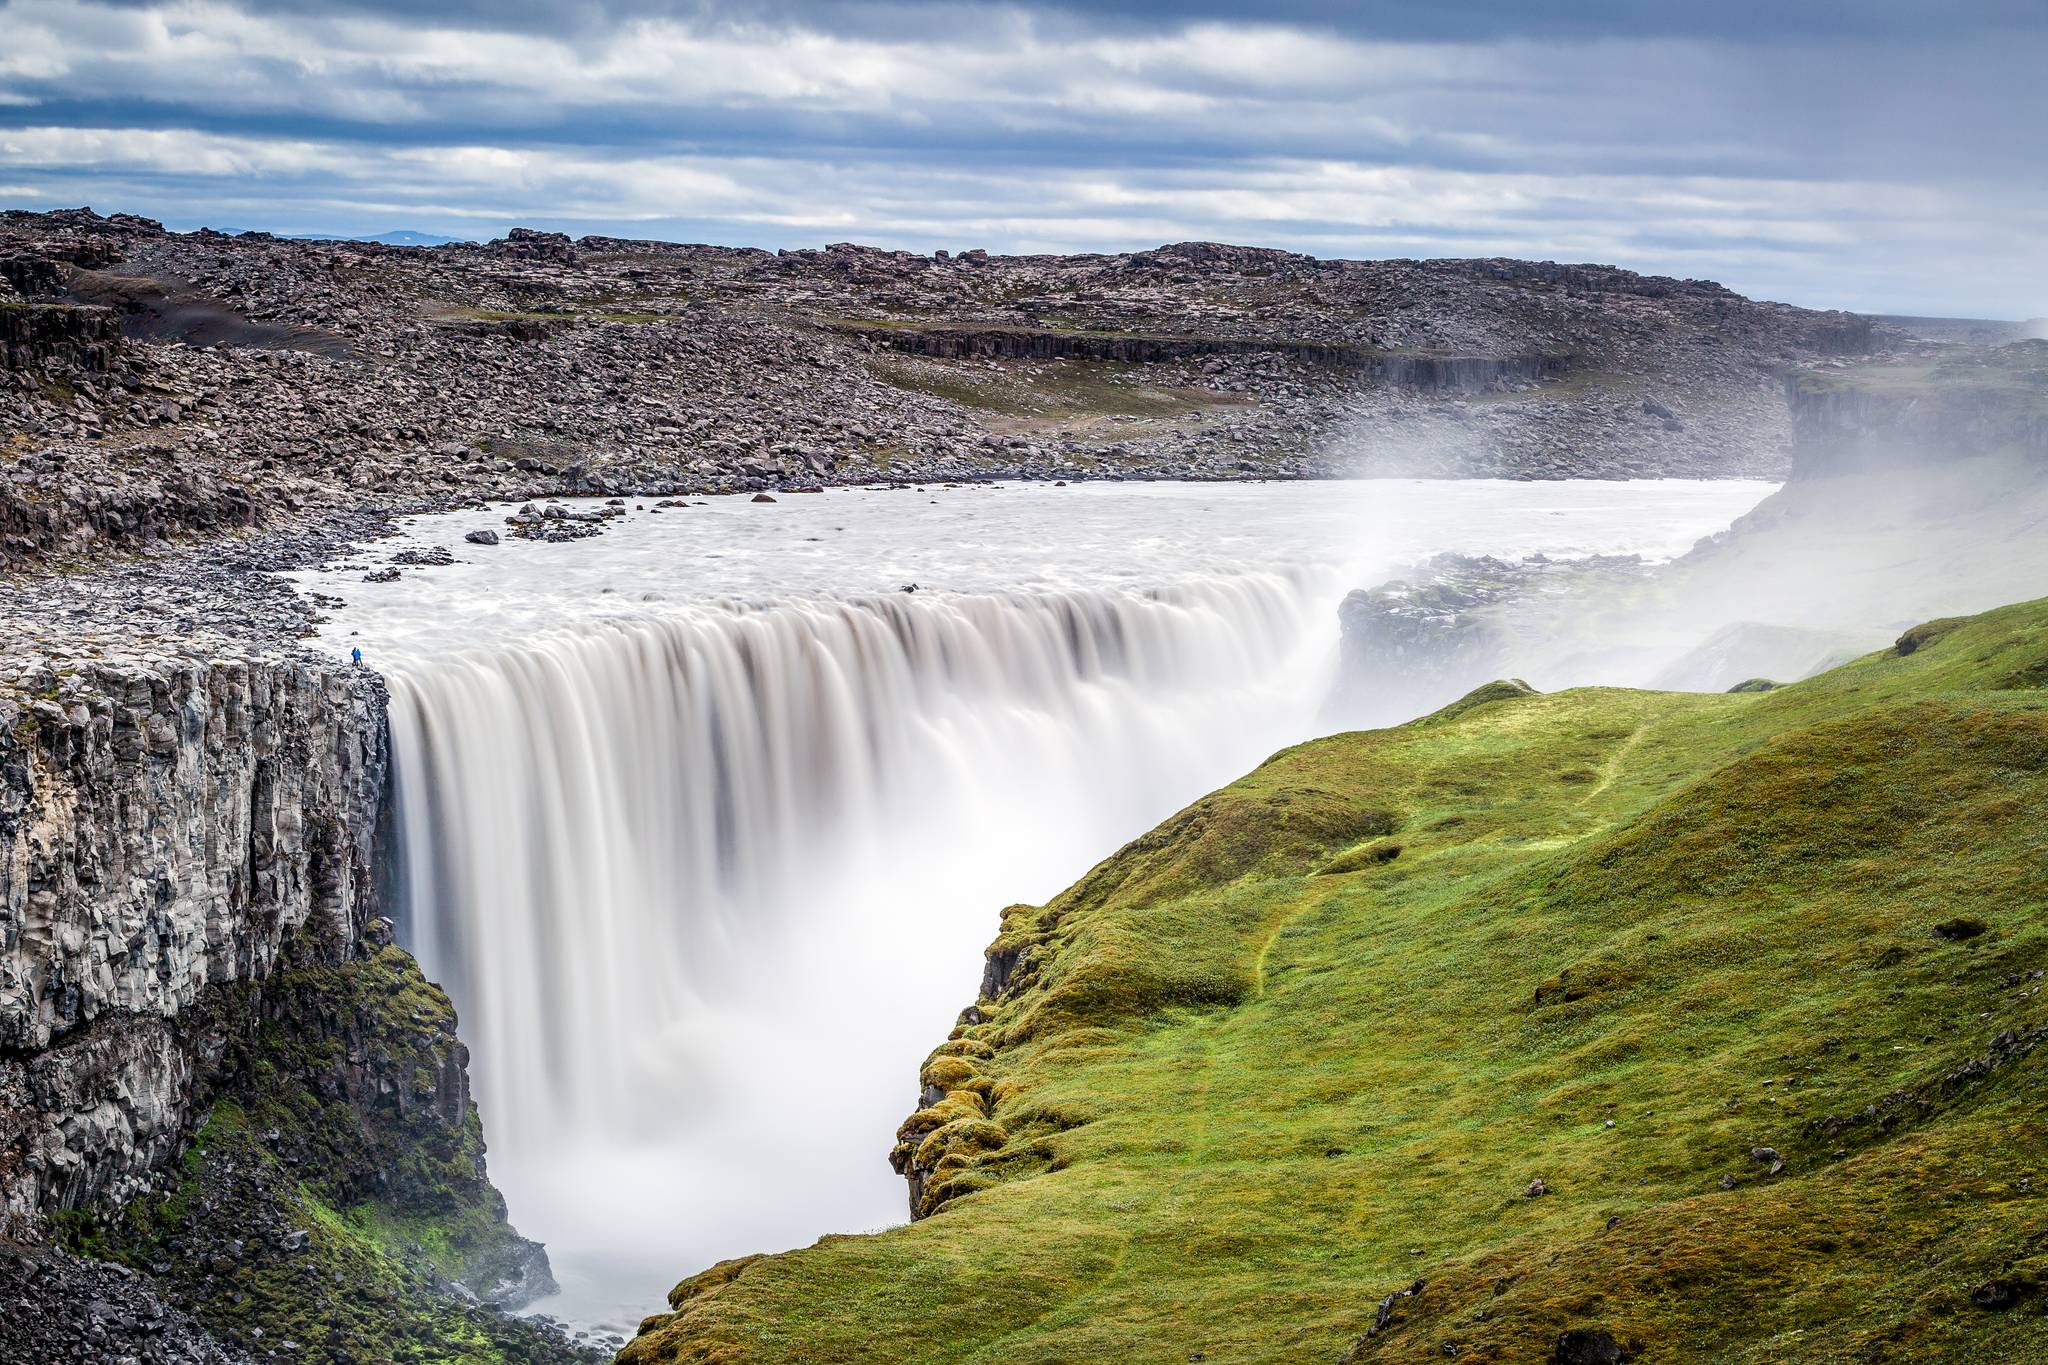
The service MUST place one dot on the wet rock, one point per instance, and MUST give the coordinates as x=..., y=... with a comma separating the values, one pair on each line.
x=1436, y=631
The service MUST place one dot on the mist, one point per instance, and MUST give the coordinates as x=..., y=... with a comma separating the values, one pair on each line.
x=1917, y=489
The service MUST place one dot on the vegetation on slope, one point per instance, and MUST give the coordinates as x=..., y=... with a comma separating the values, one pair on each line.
x=1589, y=1026
x=334, y=1206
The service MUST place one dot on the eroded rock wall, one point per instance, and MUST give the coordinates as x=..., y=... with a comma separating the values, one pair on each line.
x=57, y=337
x=164, y=828
x=1453, y=374
x=1917, y=413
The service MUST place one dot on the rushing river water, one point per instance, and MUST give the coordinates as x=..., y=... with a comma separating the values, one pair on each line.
x=706, y=821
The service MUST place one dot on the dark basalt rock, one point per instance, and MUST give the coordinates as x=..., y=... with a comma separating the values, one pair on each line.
x=339, y=1173
x=58, y=337
x=1588, y=1346
x=1998, y=1296
x=61, y=1309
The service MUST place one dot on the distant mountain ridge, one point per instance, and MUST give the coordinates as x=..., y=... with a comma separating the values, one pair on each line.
x=400, y=237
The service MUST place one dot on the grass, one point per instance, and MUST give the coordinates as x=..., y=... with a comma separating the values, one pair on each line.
x=2009, y=375
x=1256, y=1073
x=1049, y=393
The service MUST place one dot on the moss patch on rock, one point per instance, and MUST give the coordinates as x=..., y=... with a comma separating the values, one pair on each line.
x=334, y=1206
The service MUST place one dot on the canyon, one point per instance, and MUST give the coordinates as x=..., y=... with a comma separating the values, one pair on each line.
x=223, y=1072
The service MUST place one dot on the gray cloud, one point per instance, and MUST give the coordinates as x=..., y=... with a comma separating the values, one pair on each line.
x=1888, y=162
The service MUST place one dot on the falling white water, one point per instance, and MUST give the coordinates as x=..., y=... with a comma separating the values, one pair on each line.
x=704, y=827
x=619, y=836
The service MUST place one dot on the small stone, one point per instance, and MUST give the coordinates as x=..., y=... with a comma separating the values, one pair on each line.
x=1588, y=1346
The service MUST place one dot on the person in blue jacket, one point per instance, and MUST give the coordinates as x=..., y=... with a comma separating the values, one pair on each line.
x=357, y=655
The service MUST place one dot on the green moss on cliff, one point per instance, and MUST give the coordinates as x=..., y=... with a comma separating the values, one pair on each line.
x=1672, y=956
x=266, y=1263
x=335, y=1197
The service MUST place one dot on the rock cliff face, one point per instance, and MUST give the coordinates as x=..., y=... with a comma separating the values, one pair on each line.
x=54, y=336
x=162, y=830
x=1429, y=373
x=1954, y=406
x=211, y=1053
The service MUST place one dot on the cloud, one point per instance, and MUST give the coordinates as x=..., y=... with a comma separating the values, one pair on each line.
x=1820, y=163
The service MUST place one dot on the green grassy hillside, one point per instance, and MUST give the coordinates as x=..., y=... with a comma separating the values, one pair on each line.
x=1611, y=1024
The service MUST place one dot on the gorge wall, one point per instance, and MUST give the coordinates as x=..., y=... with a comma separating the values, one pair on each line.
x=1920, y=410
x=162, y=830
x=212, y=1057
x=1429, y=373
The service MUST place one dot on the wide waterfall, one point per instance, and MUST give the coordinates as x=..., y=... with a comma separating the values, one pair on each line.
x=616, y=836
x=662, y=861
x=704, y=824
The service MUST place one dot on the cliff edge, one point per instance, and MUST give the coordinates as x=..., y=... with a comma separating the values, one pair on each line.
x=1585, y=1026
x=216, y=1070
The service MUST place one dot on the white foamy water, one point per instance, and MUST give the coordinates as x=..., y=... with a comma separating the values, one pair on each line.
x=705, y=822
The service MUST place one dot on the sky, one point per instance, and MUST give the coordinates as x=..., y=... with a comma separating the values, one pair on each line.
x=1881, y=155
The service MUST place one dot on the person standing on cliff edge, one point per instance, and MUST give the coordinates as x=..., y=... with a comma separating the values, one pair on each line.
x=356, y=655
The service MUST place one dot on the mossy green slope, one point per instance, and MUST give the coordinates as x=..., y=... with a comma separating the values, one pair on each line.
x=1704, y=1022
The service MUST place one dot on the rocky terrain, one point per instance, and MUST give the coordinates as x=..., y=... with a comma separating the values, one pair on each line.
x=255, y=381
x=231, y=406
x=62, y=1309
x=214, y=1068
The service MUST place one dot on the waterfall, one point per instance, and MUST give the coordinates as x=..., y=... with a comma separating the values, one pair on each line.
x=704, y=879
